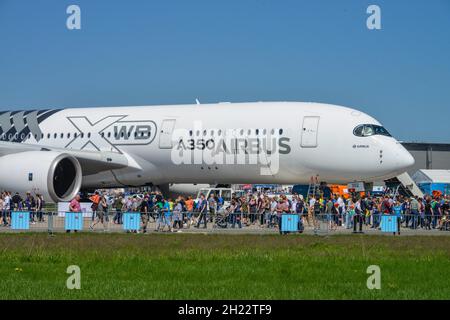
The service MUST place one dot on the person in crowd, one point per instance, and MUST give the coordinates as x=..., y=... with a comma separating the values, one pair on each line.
x=159, y=206
x=102, y=212
x=260, y=207
x=428, y=213
x=444, y=223
x=414, y=212
x=334, y=216
x=376, y=214
x=74, y=206
x=328, y=208
x=235, y=213
x=212, y=206
x=397, y=212
x=281, y=208
x=6, y=213
x=39, y=203
x=167, y=210
x=220, y=201
x=188, y=216
x=358, y=217
x=29, y=205
x=202, y=210
x=2, y=209
x=16, y=202
x=350, y=214
x=145, y=212
x=436, y=213
x=95, y=198
x=118, y=206
x=317, y=211
x=178, y=215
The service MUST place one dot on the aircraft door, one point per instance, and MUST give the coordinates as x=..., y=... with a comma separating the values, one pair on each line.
x=165, y=134
x=309, y=131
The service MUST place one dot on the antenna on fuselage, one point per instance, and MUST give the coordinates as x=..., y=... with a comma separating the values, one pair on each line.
x=198, y=102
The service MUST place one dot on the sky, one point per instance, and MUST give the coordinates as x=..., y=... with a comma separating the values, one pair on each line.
x=174, y=51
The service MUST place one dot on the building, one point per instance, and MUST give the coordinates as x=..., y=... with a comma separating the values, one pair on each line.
x=429, y=155
x=433, y=180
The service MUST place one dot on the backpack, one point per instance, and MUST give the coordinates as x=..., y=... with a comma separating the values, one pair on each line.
x=385, y=207
x=299, y=207
x=363, y=205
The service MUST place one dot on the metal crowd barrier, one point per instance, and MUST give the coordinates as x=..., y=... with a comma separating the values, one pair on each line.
x=113, y=221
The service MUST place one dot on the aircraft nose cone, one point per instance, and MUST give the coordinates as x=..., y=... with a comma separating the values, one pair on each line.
x=405, y=159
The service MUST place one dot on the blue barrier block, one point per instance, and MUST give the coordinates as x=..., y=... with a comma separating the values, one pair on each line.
x=20, y=220
x=289, y=223
x=73, y=221
x=131, y=221
x=389, y=223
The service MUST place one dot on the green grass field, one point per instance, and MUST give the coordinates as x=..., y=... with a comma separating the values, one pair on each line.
x=198, y=266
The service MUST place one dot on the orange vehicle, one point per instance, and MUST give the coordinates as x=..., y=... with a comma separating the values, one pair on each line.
x=342, y=190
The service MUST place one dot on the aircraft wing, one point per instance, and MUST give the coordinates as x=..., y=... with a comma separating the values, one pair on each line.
x=91, y=161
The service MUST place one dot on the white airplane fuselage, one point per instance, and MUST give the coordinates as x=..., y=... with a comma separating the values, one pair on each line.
x=311, y=139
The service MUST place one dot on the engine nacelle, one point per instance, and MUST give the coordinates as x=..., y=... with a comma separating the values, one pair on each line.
x=57, y=176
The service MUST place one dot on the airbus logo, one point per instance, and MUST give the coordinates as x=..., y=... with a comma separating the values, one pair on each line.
x=110, y=131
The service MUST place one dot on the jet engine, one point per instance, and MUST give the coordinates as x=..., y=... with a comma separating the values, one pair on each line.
x=56, y=176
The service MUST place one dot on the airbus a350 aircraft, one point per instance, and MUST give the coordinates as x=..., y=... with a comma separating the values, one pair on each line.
x=59, y=152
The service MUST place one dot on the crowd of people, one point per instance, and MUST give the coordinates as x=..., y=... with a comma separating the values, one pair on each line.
x=252, y=209
x=264, y=210
x=30, y=203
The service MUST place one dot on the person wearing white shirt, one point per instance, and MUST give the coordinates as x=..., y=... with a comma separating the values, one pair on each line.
x=6, y=208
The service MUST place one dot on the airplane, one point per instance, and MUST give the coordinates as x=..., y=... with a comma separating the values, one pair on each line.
x=59, y=152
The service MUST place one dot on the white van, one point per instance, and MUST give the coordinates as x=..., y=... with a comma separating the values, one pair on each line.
x=225, y=193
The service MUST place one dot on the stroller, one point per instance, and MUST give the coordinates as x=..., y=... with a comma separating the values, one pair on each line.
x=445, y=223
x=221, y=219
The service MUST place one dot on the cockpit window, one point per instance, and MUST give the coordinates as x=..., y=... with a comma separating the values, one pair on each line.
x=367, y=130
